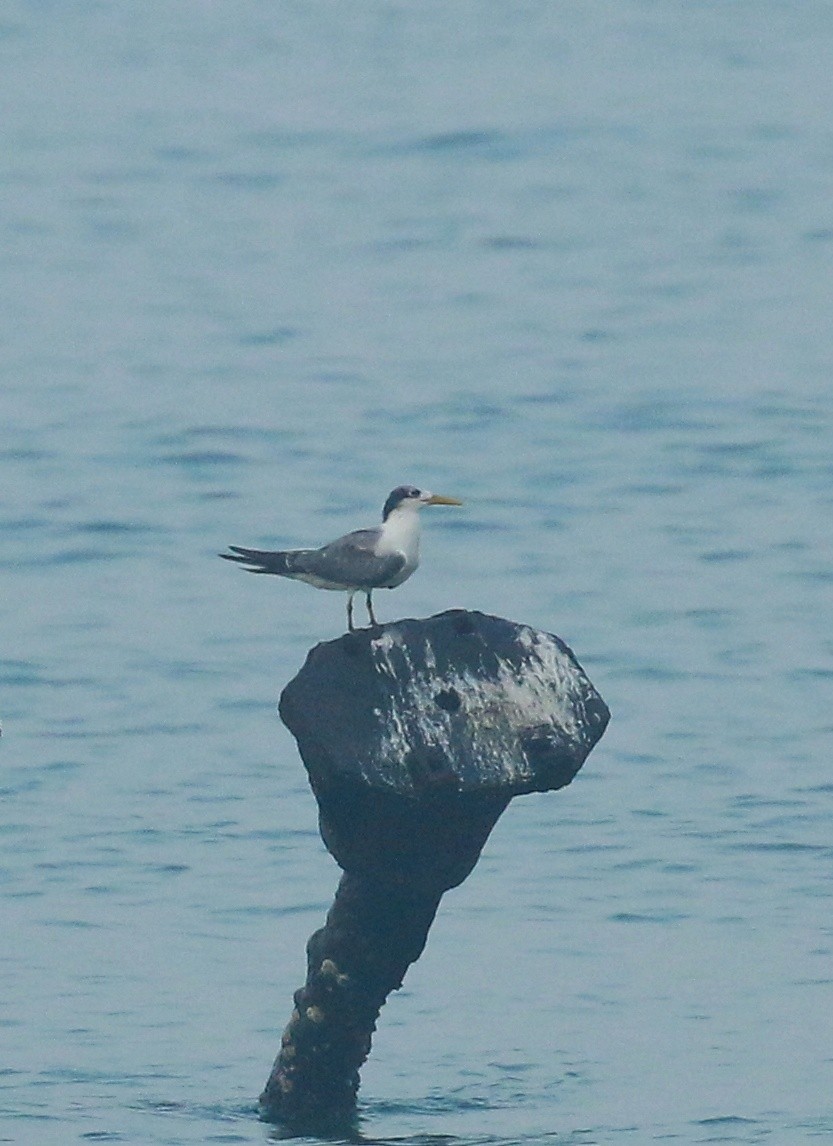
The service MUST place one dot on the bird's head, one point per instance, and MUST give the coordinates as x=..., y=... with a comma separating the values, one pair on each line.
x=408, y=497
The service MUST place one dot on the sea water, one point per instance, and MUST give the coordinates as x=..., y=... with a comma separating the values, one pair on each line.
x=261, y=262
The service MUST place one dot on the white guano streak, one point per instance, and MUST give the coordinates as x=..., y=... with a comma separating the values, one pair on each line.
x=545, y=693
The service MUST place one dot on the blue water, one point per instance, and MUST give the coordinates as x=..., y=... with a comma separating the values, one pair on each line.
x=573, y=263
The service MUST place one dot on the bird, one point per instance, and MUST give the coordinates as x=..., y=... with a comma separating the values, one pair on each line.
x=366, y=559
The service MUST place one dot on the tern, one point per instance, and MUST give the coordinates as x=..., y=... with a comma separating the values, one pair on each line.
x=362, y=561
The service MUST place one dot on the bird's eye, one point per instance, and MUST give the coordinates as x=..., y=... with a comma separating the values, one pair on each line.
x=414, y=492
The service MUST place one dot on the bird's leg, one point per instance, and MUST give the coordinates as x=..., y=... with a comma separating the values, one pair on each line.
x=350, y=625
x=370, y=612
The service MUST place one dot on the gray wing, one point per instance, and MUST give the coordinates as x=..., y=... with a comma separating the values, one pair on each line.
x=350, y=560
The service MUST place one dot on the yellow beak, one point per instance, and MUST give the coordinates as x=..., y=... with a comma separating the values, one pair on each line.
x=438, y=499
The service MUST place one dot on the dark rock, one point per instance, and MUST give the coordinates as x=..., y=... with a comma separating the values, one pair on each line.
x=415, y=736
x=507, y=708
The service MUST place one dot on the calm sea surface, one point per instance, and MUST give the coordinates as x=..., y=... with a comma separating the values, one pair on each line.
x=260, y=262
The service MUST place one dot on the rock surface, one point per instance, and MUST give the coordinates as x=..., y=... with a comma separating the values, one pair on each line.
x=415, y=736
x=461, y=700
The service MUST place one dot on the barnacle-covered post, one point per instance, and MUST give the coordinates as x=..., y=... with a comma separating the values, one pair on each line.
x=415, y=735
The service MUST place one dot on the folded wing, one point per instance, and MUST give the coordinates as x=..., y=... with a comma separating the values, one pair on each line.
x=352, y=562
x=348, y=563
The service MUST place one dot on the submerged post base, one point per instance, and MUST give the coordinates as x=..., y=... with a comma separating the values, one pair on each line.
x=372, y=935
x=415, y=736
x=376, y=928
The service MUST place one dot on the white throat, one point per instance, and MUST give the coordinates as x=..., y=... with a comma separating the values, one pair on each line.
x=400, y=534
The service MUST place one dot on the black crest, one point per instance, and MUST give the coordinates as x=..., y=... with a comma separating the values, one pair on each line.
x=397, y=496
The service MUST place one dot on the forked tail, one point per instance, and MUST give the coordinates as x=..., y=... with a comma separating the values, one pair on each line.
x=261, y=560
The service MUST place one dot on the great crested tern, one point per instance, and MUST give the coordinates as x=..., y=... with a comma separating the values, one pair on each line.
x=362, y=561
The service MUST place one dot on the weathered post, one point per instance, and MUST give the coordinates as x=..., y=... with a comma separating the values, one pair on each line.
x=415, y=736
